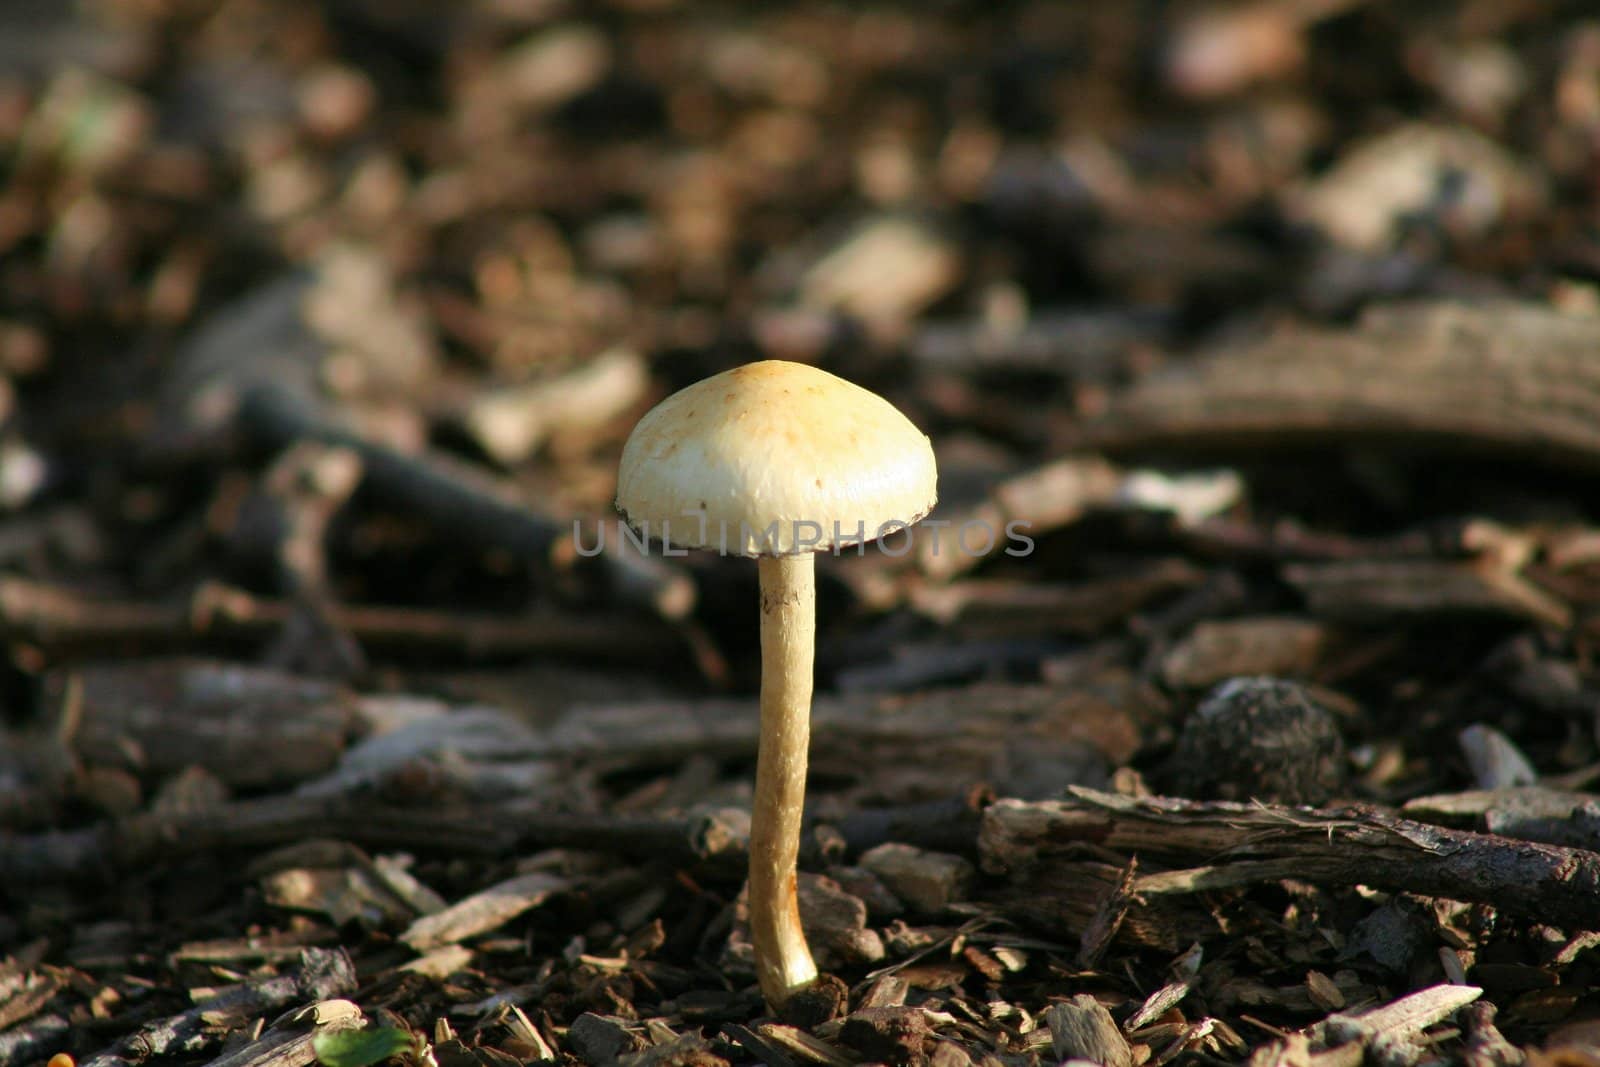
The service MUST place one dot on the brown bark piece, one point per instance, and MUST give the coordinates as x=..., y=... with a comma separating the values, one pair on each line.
x=288, y=1043
x=248, y=726
x=927, y=881
x=63, y=621
x=1240, y=844
x=836, y=923
x=1492, y=376
x=484, y=911
x=1082, y=1029
x=1224, y=648
x=887, y=1035
x=1383, y=590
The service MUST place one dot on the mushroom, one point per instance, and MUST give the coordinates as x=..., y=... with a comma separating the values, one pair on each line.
x=777, y=460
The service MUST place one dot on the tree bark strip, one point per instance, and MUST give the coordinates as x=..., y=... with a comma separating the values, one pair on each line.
x=1230, y=844
x=1500, y=376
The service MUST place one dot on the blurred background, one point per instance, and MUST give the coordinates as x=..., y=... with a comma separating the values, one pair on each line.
x=456, y=250
x=497, y=231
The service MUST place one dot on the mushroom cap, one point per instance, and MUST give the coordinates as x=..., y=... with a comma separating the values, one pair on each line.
x=774, y=459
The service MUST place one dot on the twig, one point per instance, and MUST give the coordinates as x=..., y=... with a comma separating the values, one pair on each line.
x=1088, y=346
x=60, y=620
x=153, y=838
x=323, y=974
x=460, y=499
x=33, y=1040
x=105, y=850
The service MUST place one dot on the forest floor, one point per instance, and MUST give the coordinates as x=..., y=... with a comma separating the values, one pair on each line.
x=1274, y=326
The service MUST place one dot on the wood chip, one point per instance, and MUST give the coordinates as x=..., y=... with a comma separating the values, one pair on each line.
x=322, y=975
x=1274, y=645
x=1401, y=1019
x=886, y=1035
x=28, y=997
x=248, y=726
x=288, y=1042
x=928, y=882
x=804, y=1046
x=1376, y=590
x=1082, y=1029
x=484, y=911
x=440, y=963
x=511, y=422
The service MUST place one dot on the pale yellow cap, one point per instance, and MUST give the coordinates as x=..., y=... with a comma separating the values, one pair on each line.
x=774, y=459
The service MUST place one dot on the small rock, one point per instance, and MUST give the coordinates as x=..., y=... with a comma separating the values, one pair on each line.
x=1393, y=935
x=882, y=904
x=1496, y=761
x=598, y=1039
x=928, y=882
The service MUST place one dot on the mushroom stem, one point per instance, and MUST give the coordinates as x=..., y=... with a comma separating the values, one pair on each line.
x=788, y=636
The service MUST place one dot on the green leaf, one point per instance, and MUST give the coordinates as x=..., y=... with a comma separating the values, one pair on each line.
x=360, y=1048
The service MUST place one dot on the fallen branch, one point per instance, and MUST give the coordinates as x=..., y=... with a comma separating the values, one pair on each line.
x=60, y=620
x=33, y=1041
x=463, y=501
x=154, y=838
x=102, y=851
x=1241, y=844
x=1498, y=377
